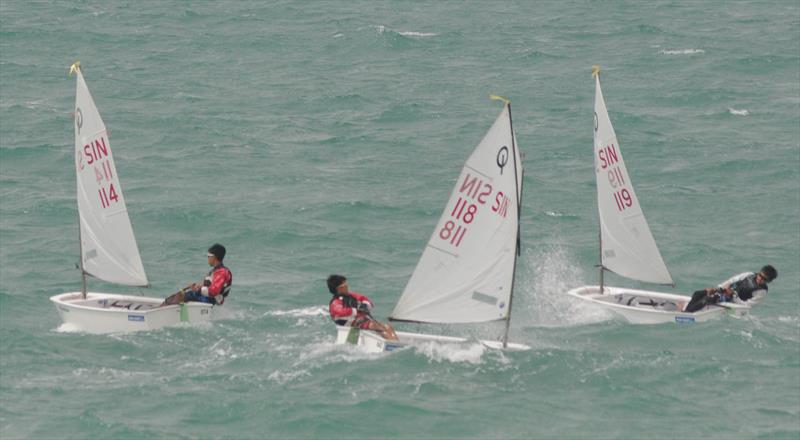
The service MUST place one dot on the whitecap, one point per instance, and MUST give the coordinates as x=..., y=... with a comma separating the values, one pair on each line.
x=682, y=51
x=68, y=327
x=383, y=29
x=736, y=112
x=416, y=34
x=282, y=378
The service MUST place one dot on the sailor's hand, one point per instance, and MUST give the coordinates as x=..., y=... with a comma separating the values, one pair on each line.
x=711, y=290
x=195, y=287
x=363, y=306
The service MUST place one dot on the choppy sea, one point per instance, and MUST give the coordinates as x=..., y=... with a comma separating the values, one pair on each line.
x=316, y=137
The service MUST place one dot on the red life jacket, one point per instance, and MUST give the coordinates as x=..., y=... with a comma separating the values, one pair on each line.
x=218, y=283
x=343, y=309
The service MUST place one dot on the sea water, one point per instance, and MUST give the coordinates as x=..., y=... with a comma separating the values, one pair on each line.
x=313, y=138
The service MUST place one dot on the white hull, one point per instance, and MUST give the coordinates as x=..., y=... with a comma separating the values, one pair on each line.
x=112, y=313
x=374, y=343
x=647, y=307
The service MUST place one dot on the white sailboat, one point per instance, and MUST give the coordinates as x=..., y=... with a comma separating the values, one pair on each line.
x=627, y=246
x=107, y=245
x=466, y=272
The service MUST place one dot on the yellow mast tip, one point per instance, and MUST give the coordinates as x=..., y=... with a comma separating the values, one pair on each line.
x=74, y=67
x=499, y=98
x=595, y=70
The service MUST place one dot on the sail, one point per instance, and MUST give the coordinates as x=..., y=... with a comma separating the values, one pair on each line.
x=466, y=271
x=627, y=246
x=108, y=247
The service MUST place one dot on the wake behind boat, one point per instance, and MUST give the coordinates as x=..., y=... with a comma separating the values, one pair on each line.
x=466, y=272
x=627, y=246
x=107, y=245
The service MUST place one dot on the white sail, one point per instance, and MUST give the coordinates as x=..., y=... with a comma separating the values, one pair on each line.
x=108, y=247
x=466, y=271
x=627, y=246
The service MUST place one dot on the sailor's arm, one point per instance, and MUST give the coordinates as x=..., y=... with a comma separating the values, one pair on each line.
x=339, y=310
x=727, y=283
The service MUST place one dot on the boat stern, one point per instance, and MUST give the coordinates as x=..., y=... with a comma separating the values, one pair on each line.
x=367, y=340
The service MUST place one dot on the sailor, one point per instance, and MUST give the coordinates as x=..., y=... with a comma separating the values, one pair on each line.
x=214, y=288
x=353, y=309
x=746, y=288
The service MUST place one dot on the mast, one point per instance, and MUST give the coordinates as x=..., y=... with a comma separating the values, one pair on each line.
x=600, y=256
x=596, y=73
x=75, y=68
x=519, y=206
x=80, y=259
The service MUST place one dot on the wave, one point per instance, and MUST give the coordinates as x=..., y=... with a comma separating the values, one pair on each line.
x=299, y=313
x=384, y=30
x=302, y=317
x=471, y=353
x=558, y=214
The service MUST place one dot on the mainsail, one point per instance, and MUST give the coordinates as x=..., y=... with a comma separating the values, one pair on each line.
x=466, y=271
x=626, y=245
x=108, y=247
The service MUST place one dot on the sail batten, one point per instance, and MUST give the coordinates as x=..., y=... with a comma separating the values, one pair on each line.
x=108, y=246
x=627, y=246
x=465, y=273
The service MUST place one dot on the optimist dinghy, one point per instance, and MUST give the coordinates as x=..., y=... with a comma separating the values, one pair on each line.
x=107, y=244
x=466, y=272
x=627, y=246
